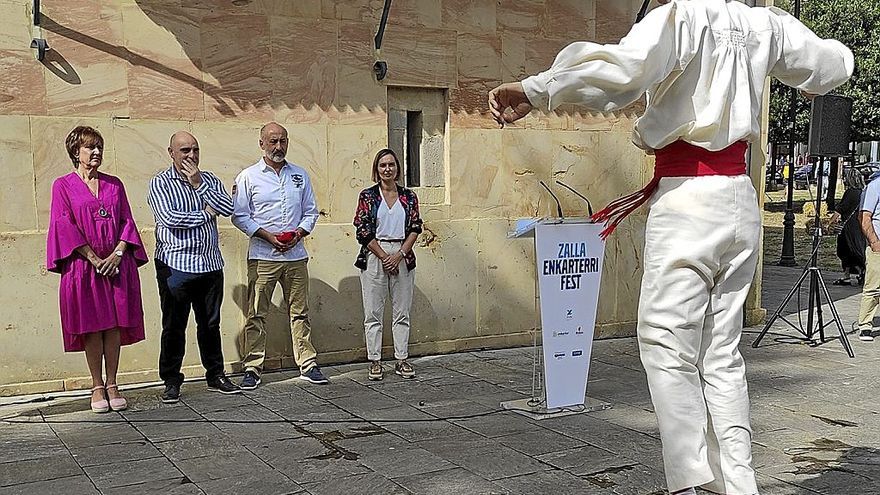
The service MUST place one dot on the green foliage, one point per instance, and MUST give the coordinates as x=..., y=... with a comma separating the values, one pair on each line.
x=855, y=23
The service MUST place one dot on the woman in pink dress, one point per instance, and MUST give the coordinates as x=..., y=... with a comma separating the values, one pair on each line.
x=95, y=246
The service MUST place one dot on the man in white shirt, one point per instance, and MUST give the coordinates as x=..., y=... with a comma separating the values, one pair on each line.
x=703, y=65
x=274, y=204
x=869, y=219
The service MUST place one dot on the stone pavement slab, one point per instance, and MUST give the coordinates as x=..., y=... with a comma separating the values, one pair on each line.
x=815, y=417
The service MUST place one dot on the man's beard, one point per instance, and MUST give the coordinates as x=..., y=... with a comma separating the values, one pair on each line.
x=276, y=156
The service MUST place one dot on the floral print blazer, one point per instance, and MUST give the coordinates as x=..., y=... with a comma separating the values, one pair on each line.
x=365, y=221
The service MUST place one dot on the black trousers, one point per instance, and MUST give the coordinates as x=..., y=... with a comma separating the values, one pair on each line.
x=178, y=293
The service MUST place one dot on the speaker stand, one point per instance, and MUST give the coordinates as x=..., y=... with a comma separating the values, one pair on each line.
x=817, y=289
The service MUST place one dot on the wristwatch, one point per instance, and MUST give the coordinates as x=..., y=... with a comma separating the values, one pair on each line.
x=119, y=253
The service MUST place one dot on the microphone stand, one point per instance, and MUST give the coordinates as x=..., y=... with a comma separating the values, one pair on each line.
x=558, y=204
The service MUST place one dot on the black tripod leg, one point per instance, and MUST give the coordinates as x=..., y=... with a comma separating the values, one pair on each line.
x=778, y=311
x=844, y=340
x=811, y=301
x=821, y=321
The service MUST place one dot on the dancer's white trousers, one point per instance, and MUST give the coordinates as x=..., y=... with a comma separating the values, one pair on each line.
x=701, y=249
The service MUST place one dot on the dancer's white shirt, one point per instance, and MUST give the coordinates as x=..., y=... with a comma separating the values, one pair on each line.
x=703, y=63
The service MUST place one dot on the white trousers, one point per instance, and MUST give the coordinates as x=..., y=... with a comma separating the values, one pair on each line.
x=375, y=285
x=701, y=250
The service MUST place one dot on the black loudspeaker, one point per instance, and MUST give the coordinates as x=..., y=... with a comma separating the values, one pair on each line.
x=830, y=126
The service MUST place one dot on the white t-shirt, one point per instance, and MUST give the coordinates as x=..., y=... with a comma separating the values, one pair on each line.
x=390, y=222
x=703, y=65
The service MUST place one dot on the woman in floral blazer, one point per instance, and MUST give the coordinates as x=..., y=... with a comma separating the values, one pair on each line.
x=387, y=224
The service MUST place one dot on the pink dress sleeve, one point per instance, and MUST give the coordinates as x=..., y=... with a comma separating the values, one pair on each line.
x=128, y=231
x=64, y=235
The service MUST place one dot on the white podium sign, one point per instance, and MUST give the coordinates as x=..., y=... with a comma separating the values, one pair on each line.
x=569, y=269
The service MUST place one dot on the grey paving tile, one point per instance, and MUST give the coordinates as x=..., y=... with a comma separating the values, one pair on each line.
x=402, y=460
x=71, y=485
x=481, y=391
x=451, y=446
x=307, y=460
x=253, y=425
x=174, y=486
x=425, y=430
x=47, y=468
x=361, y=483
x=558, y=482
x=91, y=435
x=450, y=481
x=171, y=423
x=629, y=480
x=496, y=425
x=401, y=412
x=264, y=483
x=221, y=465
x=204, y=401
x=539, y=441
x=21, y=442
x=496, y=461
x=455, y=409
x=585, y=460
x=366, y=403
x=132, y=473
x=189, y=448
x=113, y=453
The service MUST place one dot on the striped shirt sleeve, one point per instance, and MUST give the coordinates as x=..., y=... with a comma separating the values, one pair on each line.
x=160, y=199
x=215, y=195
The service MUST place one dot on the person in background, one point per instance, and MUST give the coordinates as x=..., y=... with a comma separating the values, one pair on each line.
x=850, y=239
x=94, y=244
x=387, y=223
x=869, y=221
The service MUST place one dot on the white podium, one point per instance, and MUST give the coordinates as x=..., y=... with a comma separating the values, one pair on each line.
x=569, y=254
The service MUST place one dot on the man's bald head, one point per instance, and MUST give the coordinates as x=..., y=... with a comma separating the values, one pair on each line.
x=183, y=145
x=273, y=142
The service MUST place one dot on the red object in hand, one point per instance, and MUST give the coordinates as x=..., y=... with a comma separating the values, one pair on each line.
x=285, y=237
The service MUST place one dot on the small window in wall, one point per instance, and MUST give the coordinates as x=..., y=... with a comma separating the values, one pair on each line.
x=413, y=147
x=417, y=119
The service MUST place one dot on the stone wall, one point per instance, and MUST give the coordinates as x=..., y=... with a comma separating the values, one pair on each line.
x=138, y=70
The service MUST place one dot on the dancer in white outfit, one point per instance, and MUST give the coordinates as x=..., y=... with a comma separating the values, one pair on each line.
x=703, y=65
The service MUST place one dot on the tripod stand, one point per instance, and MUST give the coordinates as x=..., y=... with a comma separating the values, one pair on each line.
x=817, y=289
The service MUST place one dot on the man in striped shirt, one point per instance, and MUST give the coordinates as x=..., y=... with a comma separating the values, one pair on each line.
x=186, y=202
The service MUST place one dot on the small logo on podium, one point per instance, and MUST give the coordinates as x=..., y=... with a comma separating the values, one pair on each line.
x=577, y=353
x=559, y=355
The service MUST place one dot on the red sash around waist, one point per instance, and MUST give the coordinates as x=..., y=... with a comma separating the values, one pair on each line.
x=679, y=159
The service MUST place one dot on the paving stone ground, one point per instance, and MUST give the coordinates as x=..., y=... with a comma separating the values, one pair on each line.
x=814, y=415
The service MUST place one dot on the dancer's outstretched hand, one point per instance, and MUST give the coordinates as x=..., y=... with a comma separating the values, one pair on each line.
x=508, y=96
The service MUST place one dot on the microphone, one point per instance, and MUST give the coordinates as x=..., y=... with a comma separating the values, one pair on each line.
x=643, y=11
x=558, y=204
x=589, y=205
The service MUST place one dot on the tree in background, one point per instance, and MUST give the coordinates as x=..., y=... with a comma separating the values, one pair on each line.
x=856, y=23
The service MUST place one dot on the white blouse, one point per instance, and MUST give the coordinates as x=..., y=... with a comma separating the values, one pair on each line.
x=390, y=222
x=703, y=64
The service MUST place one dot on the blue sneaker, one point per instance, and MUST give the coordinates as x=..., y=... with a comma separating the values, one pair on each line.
x=314, y=375
x=250, y=381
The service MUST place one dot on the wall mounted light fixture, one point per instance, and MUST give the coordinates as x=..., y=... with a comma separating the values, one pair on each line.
x=380, y=68
x=37, y=42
